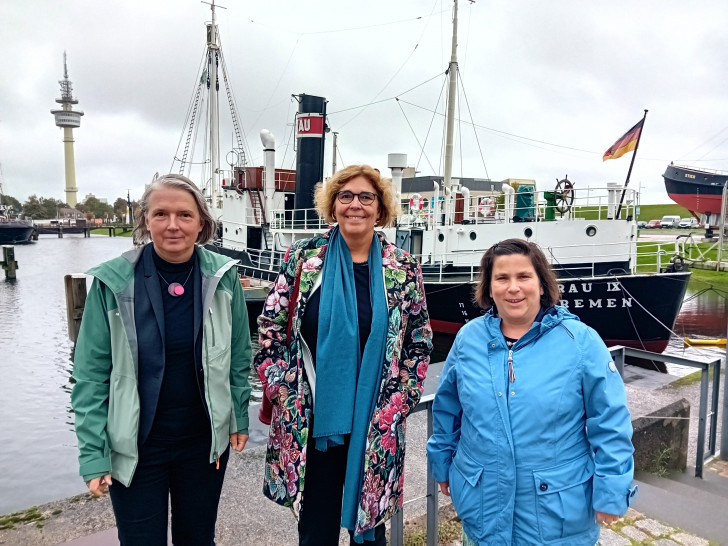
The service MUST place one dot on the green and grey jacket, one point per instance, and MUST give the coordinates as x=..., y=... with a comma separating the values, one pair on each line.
x=105, y=398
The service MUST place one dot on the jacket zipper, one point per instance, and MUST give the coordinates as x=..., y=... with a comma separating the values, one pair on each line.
x=511, y=373
x=511, y=370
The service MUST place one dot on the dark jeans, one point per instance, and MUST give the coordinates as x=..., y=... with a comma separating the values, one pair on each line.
x=320, y=521
x=180, y=470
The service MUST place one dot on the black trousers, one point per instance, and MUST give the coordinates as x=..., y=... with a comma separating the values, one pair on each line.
x=178, y=470
x=320, y=521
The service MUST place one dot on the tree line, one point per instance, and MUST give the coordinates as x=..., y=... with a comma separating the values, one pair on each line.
x=42, y=208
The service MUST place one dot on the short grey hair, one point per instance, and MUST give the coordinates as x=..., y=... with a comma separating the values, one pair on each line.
x=179, y=182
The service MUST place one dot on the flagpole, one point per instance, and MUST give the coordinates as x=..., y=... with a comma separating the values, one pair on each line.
x=631, y=164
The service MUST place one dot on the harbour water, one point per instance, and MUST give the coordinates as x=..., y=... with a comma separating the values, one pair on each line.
x=38, y=456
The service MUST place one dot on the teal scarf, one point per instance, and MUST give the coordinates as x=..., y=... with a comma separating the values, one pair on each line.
x=347, y=383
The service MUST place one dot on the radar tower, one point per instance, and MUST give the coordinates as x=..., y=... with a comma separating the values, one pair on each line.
x=68, y=119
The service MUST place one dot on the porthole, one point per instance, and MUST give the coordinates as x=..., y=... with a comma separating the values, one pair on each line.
x=528, y=232
x=225, y=230
x=441, y=237
x=473, y=236
x=591, y=231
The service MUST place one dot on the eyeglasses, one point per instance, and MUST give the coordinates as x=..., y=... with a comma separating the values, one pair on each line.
x=366, y=198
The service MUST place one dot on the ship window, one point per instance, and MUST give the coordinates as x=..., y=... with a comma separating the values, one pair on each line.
x=225, y=230
x=528, y=232
x=591, y=231
x=441, y=237
x=473, y=236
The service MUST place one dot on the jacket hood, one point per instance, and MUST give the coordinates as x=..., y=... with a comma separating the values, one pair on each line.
x=547, y=318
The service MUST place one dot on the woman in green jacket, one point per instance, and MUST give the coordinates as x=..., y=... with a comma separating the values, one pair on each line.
x=161, y=372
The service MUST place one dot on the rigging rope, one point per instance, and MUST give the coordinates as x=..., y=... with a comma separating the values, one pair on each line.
x=422, y=148
x=477, y=140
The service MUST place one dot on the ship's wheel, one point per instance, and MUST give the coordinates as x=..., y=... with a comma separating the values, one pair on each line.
x=564, y=195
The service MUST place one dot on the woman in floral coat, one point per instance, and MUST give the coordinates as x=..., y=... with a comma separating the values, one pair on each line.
x=345, y=329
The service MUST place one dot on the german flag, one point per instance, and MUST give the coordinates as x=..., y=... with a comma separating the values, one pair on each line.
x=626, y=143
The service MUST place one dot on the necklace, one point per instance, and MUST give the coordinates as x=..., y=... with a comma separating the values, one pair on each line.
x=176, y=289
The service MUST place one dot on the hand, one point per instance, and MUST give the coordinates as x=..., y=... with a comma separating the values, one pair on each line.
x=99, y=486
x=444, y=488
x=603, y=517
x=238, y=441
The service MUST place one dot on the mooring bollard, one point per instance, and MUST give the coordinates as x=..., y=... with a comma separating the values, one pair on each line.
x=9, y=263
x=75, y=303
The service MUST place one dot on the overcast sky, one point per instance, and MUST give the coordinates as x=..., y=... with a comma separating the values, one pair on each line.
x=549, y=85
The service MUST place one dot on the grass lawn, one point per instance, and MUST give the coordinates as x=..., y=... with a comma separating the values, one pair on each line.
x=120, y=232
x=647, y=212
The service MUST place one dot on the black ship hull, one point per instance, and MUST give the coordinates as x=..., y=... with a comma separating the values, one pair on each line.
x=698, y=191
x=636, y=311
x=14, y=232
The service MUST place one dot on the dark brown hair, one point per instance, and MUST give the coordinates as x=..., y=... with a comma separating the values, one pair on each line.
x=545, y=273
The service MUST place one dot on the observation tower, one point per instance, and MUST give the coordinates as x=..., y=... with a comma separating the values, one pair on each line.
x=69, y=119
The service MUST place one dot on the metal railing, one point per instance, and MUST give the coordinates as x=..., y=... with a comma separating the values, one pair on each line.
x=298, y=219
x=619, y=353
x=396, y=529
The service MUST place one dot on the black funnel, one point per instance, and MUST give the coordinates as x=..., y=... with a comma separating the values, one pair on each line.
x=310, y=133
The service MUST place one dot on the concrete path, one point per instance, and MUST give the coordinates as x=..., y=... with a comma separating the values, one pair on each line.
x=247, y=518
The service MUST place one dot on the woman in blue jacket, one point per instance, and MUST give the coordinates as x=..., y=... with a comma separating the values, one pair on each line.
x=532, y=435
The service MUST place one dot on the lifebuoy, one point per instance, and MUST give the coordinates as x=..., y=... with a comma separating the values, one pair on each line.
x=416, y=202
x=486, y=207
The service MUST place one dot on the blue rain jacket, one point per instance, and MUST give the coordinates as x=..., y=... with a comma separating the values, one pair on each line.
x=530, y=462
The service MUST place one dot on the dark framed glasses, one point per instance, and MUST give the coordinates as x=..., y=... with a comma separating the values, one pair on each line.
x=365, y=197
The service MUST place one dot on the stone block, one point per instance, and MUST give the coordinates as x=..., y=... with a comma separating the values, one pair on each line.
x=654, y=528
x=634, y=533
x=666, y=428
x=689, y=540
x=607, y=537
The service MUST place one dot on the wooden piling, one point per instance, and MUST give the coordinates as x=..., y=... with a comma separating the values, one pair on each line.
x=9, y=264
x=75, y=303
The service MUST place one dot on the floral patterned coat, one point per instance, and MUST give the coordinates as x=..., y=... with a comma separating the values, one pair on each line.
x=281, y=369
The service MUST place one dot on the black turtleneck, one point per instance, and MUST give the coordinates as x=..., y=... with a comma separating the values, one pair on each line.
x=180, y=410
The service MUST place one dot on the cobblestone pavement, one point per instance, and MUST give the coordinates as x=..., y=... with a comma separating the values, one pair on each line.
x=636, y=529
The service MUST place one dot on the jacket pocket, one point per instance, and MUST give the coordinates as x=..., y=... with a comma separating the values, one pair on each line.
x=217, y=333
x=123, y=416
x=466, y=490
x=564, y=498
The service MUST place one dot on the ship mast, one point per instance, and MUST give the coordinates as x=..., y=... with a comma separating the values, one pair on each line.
x=452, y=94
x=213, y=85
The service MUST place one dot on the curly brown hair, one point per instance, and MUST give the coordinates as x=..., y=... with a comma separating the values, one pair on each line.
x=545, y=272
x=325, y=194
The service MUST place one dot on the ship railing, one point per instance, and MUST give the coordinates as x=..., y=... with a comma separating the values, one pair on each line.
x=702, y=170
x=265, y=260
x=578, y=205
x=656, y=255
x=298, y=220
x=464, y=265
